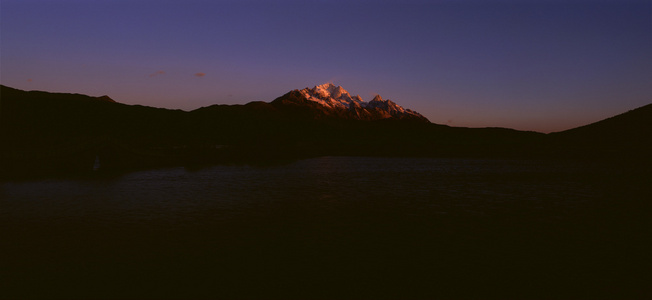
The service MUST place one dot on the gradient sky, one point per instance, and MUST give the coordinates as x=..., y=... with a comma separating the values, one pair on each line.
x=530, y=65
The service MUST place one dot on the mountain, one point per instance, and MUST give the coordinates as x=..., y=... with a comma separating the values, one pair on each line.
x=624, y=136
x=330, y=101
x=57, y=133
x=35, y=118
x=61, y=133
x=619, y=127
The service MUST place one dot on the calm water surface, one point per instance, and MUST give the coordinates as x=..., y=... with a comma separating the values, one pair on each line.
x=179, y=196
x=331, y=227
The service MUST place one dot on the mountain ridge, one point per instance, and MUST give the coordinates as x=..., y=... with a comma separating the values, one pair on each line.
x=55, y=132
x=624, y=135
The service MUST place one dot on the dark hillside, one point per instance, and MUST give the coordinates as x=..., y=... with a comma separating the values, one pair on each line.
x=39, y=119
x=61, y=133
x=625, y=136
x=64, y=133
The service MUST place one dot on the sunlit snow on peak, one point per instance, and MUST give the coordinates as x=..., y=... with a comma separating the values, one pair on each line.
x=336, y=97
x=331, y=95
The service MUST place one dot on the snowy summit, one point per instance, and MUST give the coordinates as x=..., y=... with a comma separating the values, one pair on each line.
x=330, y=95
x=335, y=97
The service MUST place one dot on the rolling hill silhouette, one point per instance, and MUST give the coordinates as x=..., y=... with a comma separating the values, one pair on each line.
x=61, y=134
x=625, y=136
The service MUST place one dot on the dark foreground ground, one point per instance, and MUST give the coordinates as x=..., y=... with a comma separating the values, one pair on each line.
x=297, y=249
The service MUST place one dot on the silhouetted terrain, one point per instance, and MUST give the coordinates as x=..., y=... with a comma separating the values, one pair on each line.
x=58, y=134
x=625, y=136
x=568, y=221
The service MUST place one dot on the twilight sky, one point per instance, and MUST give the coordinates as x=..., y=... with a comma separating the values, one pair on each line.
x=540, y=65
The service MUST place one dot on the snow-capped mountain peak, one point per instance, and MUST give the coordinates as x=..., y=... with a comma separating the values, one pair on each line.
x=324, y=90
x=330, y=95
x=337, y=98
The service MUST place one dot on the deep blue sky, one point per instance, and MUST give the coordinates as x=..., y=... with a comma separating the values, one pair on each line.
x=530, y=65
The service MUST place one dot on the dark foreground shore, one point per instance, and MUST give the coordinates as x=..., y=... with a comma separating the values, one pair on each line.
x=294, y=240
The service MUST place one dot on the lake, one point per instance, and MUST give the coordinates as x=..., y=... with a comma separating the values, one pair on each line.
x=332, y=227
